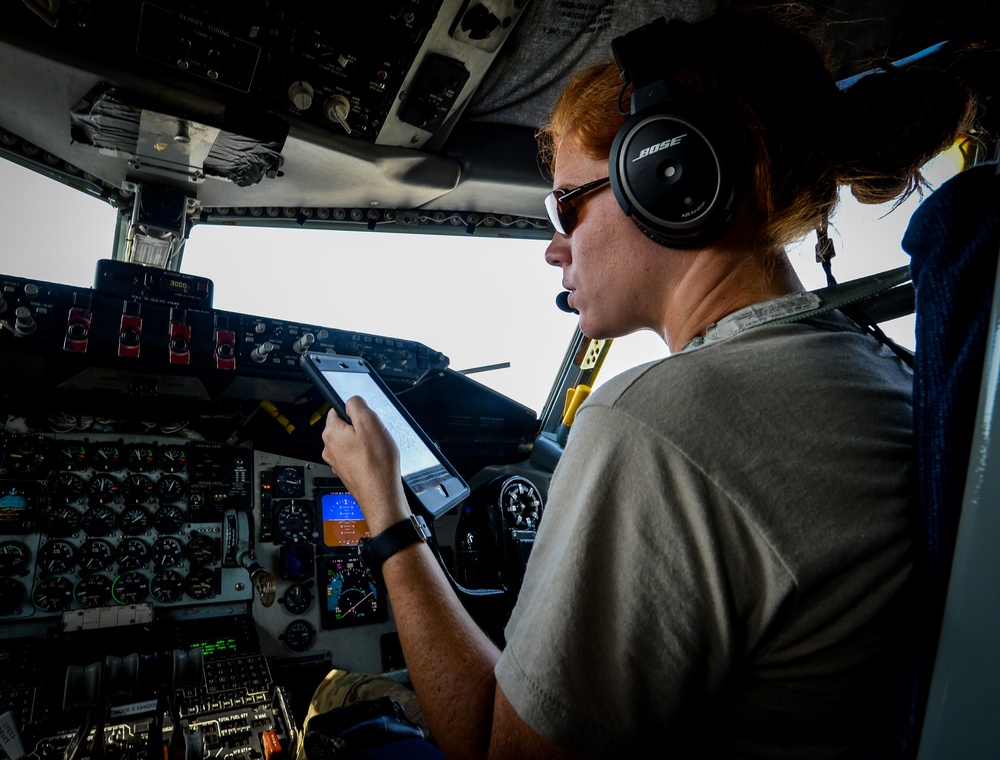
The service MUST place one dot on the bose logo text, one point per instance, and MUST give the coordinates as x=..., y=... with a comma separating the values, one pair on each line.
x=659, y=146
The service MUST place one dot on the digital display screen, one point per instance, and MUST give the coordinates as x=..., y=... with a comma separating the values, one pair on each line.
x=223, y=646
x=351, y=595
x=343, y=522
x=418, y=465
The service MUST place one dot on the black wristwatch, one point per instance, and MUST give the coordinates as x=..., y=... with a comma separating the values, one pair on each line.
x=375, y=551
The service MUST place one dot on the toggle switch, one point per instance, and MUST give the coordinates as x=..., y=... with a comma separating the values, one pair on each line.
x=130, y=335
x=179, y=343
x=77, y=336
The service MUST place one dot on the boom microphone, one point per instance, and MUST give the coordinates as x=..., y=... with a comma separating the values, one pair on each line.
x=562, y=301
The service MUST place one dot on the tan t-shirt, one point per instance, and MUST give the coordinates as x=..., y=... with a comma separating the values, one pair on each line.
x=720, y=564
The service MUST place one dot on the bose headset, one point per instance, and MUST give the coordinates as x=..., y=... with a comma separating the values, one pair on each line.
x=671, y=171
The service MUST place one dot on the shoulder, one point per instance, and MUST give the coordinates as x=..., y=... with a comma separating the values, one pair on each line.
x=822, y=351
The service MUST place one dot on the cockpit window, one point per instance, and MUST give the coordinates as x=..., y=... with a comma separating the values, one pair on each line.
x=484, y=302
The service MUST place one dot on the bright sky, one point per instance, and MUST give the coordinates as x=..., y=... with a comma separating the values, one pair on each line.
x=480, y=301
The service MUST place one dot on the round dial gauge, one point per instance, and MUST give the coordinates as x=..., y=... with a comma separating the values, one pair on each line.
x=289, y=481
x=200, y=583
x=201, y=549
x=15, y=502
x=71, y=455
x=56, y=556
x=298, y=598
x=166, y=586
x=522, y=503
x=295, y=521
x=168, y=518
x=140, y=457
x=12, y=594
x=14, y=558
x=98, y=520
x=134, y=520
x=167, y=552
x=132, y=553
x=106, y=457
x=95, y=554
x=170, y=489
x=137, y=488
x=67, y=487
x=93, y=591
x=18, y=507
x=27, y=455
x=130, y=588
x=52, y=594
x=299, y=635
x=173, y=458
x=61, y=520
x=103, y=489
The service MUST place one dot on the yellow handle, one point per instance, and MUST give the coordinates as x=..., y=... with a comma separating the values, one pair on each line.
x=574, y=397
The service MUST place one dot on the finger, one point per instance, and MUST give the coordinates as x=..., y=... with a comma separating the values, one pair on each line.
x=356, y=406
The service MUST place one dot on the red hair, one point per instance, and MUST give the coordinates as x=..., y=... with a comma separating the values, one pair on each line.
x=771, y=89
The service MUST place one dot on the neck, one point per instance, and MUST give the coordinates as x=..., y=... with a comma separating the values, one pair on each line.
x=719, y=282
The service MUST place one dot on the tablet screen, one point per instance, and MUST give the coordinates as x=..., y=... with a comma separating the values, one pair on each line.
x=420, y=467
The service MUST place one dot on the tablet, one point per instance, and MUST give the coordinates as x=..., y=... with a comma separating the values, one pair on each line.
x=430, y=480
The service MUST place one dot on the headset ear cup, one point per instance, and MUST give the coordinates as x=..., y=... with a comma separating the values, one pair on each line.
x=670, y=174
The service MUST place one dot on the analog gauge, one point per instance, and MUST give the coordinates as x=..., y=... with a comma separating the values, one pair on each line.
x=132, y=553
x=27, y=455
x=299, y=635
x=294, y=521
x=103, y=489
x=173, y=459
x=166, y=586
x=168, y=518
x=137, y=489
x=11, y=596
x=202, y=549
x=13, y=497
x=130, y=588
x=107, y=457
x=167, y=552
x=521, y=503
x=52, y=594
x=17, y=506
x=56, y=556
x=289, y=481
x=170, y=489
x=93, y=591
x=98, y=520
x=95, y=554
x=134, y=520
x=71, y=455
x=140, y=457
x=14, y=558
x=200, y=583
x=352, y=595
x=61, y=520
x=67, y=487
x=298, y=598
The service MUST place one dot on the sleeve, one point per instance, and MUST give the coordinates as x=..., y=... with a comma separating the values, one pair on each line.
x=628, y=616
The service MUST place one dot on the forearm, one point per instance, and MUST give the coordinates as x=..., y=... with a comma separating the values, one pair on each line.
x=450, y=660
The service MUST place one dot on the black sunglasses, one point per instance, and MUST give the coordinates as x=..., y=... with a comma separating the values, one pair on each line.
x=563, y=206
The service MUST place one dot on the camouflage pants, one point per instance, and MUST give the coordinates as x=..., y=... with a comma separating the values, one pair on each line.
x=341, y=688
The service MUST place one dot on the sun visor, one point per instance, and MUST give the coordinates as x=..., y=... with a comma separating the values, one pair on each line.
x=177, y=147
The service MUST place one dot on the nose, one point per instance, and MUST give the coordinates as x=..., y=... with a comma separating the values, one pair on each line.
x=557, y=253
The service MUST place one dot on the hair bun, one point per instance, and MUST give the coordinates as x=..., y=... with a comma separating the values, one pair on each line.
x=895, y=121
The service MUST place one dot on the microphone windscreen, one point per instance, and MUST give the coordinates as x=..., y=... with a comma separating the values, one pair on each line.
x=562, y=301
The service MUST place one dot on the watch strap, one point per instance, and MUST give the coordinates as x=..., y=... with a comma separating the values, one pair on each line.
x=376, y=550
